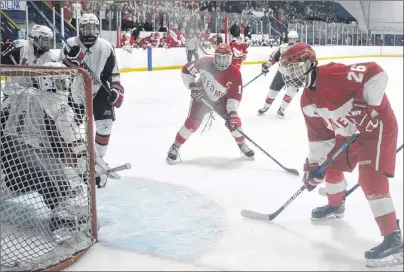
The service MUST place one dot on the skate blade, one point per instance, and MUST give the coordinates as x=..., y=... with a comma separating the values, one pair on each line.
x=249, y=158
x=280, y=116
x=329, y=217
x=392, y=260
x=171, y=161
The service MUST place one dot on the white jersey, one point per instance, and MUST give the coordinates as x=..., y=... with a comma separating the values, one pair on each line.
x=100, y=58
x=25, y=54
x=28, y=55
x=275, y=56
x=28, y=118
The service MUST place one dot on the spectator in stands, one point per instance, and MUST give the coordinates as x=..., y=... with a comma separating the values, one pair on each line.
x=265, y=23
x=235, y=30
x=247, y=31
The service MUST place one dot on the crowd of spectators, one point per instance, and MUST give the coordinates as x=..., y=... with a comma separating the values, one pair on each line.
x=266, y=19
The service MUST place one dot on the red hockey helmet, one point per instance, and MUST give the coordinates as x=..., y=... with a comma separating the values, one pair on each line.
x=223, y=57
x=295, y=64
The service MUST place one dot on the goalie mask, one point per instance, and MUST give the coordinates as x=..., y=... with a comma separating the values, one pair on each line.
x=223, y=57
x=58, y=84
x=296, y=64
x=89, y=29
x=42, y=37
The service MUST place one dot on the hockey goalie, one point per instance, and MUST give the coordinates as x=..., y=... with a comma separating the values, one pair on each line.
x=43, y=151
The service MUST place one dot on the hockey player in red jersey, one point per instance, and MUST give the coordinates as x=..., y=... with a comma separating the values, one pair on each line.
x=239, y=50
x=277, y=82
x=221, y=85
x=338, y=100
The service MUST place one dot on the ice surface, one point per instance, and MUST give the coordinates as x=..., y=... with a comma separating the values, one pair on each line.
x=187, y=216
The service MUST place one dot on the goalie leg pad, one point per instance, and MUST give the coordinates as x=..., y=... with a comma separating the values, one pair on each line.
x=103, y=132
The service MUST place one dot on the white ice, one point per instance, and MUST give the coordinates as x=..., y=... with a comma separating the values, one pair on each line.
x=155, y=107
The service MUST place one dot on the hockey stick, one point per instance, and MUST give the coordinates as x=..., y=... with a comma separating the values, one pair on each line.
x=271, y=216
x=93, y=75
x=322, y=191
x=249, y=82
x=289, y=170
x=122, y=167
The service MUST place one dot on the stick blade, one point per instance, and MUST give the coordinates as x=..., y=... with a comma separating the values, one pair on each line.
x=255, y=215
x=293, y=171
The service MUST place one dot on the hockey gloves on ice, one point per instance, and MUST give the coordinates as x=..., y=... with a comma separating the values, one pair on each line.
x=310, y=180
x=361, y=116
x=265, y=68
x=116, y=96
x=197, y=91
x=74, y=58
x=233, y=121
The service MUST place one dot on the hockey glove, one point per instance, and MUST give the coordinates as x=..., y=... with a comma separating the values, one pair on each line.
x=265, y=68
x=7, y=48
x=361, y=116
x=197, y=91
x=310, y=180
x=233, y=121
x=116, y=96
x=74, y=58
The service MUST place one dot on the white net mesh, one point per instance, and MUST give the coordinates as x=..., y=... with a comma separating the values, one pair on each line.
x=47, y=197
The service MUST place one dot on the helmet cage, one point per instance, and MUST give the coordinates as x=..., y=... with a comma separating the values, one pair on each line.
x=89, y=33
x=44, y=43
x=222, y=60
x=296, y=74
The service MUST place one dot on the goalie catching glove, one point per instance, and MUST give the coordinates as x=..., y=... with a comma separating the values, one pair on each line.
x=310, y=179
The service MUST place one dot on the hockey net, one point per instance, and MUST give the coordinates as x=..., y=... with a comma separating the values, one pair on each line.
x=47, y=198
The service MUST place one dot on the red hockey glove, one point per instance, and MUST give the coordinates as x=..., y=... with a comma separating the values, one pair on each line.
x=116, y=96
x=309, y=178
x=197, y=91
x=233, y=121
x=74, y=58
x=361, y=116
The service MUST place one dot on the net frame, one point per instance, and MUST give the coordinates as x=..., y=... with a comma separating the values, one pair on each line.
x=33, y=71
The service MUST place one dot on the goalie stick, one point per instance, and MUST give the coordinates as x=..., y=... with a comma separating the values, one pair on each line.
x=289, y=170
x=322, y=191
x=271, y=216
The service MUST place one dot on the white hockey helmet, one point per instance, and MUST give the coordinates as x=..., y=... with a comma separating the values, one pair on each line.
x=42, y=37
x=56, y=83
x=292, y=36
x=89, y=29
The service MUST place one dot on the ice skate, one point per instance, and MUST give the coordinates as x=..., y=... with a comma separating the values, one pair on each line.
x=328, y=212
x=281, y=113
x=263, y=110
x=249, y=153
x=388, y=253
x=173, y=154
